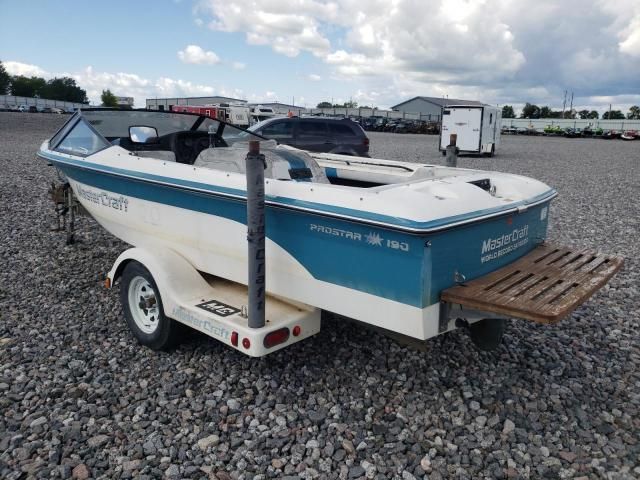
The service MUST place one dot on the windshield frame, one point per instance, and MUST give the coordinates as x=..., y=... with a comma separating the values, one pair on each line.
x=196, y=125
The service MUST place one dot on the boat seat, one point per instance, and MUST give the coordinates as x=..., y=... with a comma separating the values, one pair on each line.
x=164, y=155
x=282, y=162
x=188, y=145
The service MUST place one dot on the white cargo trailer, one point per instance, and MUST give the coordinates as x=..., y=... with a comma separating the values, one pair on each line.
x=477, y=127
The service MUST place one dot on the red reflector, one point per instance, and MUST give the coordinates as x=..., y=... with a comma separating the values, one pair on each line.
x=296, y=331
x=276, y=337
x=234, y=339
x=246, y=343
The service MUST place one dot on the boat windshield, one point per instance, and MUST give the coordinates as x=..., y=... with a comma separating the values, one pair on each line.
x=115, y=124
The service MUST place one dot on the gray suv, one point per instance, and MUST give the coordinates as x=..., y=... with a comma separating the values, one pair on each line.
x=328, y=135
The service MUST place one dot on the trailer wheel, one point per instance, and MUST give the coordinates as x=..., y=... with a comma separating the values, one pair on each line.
x=143, y=309
x=487, y=334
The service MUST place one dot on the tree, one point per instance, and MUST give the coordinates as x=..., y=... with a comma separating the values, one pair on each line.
x=634, y=113
x=507, y=112
x=545, y=112
x=613, y=115
x=349, y=104
x=5, y=80
x=530, y=111
x=584, y=114
x=108, y=99
x=324, y=105
x=593, y=115
x=63, y=88
x=22, y=86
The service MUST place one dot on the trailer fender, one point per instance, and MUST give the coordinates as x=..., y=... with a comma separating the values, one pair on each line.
x=174, y=275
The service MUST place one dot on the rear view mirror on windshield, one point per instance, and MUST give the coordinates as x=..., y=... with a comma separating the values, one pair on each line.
x=143, y=134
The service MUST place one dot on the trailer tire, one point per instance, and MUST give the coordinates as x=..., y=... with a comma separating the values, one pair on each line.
x=143, y=310
x=487, y=333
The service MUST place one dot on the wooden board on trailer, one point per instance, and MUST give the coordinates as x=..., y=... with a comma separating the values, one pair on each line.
x=544, y=286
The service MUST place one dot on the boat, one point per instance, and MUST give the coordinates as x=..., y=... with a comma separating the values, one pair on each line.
x=629, y=135
x=553, y=130
x=571, y=132
x=378, y=241
x=610, y=134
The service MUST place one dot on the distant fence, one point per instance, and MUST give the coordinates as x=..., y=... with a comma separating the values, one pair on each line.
x=13, y=101
x=355, y=112
x=540, y=123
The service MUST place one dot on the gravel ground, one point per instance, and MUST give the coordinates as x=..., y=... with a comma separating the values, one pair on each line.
x=79, y=398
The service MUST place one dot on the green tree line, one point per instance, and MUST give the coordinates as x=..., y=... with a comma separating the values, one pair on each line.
x=63, y=88
x=534, y=111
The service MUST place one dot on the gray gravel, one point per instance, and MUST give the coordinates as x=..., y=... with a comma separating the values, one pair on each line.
x=79, y=398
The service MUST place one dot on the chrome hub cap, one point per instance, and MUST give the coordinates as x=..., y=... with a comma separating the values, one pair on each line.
x=143, y=305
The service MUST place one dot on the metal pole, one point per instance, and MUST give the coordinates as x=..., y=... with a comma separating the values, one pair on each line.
x=255, y=234
x=452, y=151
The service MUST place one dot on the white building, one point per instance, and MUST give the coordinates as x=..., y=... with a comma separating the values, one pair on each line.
x=125, y=102
x=167, y=103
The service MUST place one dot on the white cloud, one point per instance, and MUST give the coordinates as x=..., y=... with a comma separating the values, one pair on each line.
x=314, y=77
x=627, y=21
x=238, y=65
x=197, y=55
x=26, y=69
x=286, y=28
x=496, y=51
x=126, y=84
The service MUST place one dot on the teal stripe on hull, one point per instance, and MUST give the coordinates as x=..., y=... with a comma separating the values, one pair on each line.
x=320, y=208
x=400, y=266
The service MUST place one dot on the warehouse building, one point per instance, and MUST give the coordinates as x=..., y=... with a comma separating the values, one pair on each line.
x=280, y=108
x=429, y=108
x=167, y=103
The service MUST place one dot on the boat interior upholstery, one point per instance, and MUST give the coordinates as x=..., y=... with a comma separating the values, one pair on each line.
x=202, y=150
x=281, y=162
x=181, y=147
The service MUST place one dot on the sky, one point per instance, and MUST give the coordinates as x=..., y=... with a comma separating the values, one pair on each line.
x=375, y=52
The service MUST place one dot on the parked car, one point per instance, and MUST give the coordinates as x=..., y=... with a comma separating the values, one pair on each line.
x=329, y=135
x=33, y=109
x=23, y=108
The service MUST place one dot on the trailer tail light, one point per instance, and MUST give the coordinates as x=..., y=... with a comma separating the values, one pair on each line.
x=246, y=343
x=365, y=142
x=296, y=331
x=276, y=337
x=234, y=339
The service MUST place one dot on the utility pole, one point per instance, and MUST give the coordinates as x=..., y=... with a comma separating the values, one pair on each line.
x=571, y=107
x=564, y=103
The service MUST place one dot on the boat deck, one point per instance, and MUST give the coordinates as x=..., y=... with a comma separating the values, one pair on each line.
x=544, y=286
